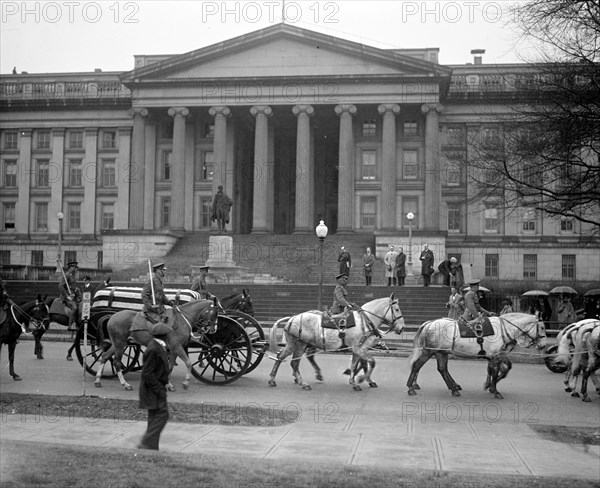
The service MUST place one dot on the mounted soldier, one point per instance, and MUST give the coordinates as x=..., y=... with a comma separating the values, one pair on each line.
x=341, y=307
x=70, y=293
x=154, y=300
x=5, y=301
x=199, y=284
x=473, y=310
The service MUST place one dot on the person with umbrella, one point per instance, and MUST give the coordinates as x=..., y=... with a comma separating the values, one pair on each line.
x=565, y=312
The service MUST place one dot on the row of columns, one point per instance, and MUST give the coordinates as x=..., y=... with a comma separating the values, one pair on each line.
x=142, y=189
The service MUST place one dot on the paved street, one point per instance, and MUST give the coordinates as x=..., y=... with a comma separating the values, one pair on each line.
x=430, y=431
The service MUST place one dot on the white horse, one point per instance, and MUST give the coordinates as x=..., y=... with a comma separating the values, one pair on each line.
x=304, y=333
x=572, y=352
x=441, y=337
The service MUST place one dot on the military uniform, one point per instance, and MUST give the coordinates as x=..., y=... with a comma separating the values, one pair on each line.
x=472, y=307
x=154, y=310
x=340, y=302
x=70, y=293
x=199, y=283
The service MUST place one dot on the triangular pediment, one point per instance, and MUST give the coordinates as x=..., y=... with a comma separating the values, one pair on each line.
x=284, y=51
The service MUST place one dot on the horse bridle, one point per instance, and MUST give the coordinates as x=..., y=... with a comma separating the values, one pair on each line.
x=29, y=318
x=384, y=320
x=534, y=340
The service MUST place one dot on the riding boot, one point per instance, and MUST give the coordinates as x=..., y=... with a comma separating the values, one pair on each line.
x=389, y=282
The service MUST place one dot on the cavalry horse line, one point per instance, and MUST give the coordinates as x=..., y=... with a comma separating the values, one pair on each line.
x=430, y=431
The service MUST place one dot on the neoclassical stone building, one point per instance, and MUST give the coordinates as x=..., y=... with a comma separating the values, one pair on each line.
x=297, y=126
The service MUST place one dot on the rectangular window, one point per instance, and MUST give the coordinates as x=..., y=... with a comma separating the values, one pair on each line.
x=76, y=140
x=41, y=216
x=4, y=257
x=410, y=127
x=205, y=211
x=74, y=216
x=454, y=217
x=209, y=130
x=369, y=165
x=108, y=216
x=37, y=258
x=492, y=221
x=410, y=164
x=108, y=173
x=165, y=212
x=43, y=173
x=75, y=173
x=109, y=139
x=11, y=140
x=567, y=225
x=568, y=266
x=10, y=174
x=206, y=166
x=455, y=136
x=369, y=128
x=368, y=212
x=100, y=260
x=529, y=220
x=530, y=266
x=43, y=140
x=70, y=256
x=410, y=205
x=452, y=173
x=8, y=215
x=491, y=265
x=165, y=165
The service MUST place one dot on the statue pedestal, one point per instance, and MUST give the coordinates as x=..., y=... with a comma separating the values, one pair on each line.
x=220, y=252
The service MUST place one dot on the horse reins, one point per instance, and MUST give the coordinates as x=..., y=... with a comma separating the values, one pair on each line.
x=25, y=315
x=391, y=323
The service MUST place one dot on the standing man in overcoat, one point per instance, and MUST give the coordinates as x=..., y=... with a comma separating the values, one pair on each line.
x=153, y=391
x=401, y=267
x=426, y=259
x=390, y=266
x=345, y=261
x=368, y=263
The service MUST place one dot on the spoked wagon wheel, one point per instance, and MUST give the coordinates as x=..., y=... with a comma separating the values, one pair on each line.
x=222, y=357
x=97, y=345
x=256, y=334
x=551, y=363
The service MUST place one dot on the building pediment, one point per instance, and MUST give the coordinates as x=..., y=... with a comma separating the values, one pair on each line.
x=283, y=51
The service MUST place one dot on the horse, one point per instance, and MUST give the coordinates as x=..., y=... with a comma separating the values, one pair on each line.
x=441, y=337
x=195, y=317
x=304, y=333
x=591, y=341
x=577, y=346
x=19, y=320
x=59, y=316
x=238, y=301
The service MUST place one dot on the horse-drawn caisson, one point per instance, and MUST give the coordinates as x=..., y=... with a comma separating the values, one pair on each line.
x=222, y=340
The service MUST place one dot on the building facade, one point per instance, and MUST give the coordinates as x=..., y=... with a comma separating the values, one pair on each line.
x=297, y=126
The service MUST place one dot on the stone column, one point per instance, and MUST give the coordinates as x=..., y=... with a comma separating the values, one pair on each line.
x=59, y=173
x=388, y=166
x=220, y=114
x=24, y=171
x=305, y=171
x=262, y=183
x=88, y=206
x=433, y=185
x=179, y=115
x=124, y=167
x=346, y=169
x=149, y=175
x=137, y=166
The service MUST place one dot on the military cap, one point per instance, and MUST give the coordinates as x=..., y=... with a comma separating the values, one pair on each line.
x=72, y=264
x=474, y=282
x=158, y=266
x=340, y=276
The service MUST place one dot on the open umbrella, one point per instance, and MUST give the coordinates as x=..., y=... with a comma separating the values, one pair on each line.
x=481, y=288
x=535, y=293
x=565, y=290
x=592, y=293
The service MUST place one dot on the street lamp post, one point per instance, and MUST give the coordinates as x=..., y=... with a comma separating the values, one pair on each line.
x=60, y=217
x=410, y=216
x=321, y=231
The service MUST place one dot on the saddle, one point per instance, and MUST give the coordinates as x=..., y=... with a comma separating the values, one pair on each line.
x=341, y=321
x=477, y=328
x=141, y=321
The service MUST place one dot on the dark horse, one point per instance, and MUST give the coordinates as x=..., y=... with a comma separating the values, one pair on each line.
x=58, y=315
x=19, y=320
x=195, y=317
x=238, y=301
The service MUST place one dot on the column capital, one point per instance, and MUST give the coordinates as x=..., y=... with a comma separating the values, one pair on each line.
x=138, y=112
x=345, y=108
x=303, y=109
x=220, y=110
x=179, y=111
x=261, y=109
x=388, y=108
x=431, y=107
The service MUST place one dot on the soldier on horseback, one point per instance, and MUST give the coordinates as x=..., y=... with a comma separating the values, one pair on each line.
x=473, y=310
x=199, y=284
x=154, y=298
x=342, y=306
x=70, y=294
x=5, y=301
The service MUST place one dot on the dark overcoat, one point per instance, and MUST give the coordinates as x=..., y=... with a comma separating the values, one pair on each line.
x=155, y=376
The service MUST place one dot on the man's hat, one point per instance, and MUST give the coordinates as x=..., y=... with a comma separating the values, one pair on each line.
x=453, y=260
x=205, y=267
x=220, y=187
x=474, y=282
x=72, y=264
x=340, y=275
x=158, y=266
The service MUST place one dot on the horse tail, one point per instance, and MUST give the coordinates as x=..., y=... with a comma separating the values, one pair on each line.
x=417, y=349
x=273, y=335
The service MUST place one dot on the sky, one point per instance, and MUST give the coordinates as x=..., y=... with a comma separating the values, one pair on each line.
x=79, y=35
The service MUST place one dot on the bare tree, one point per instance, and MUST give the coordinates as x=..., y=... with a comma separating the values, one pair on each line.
x=546, y=154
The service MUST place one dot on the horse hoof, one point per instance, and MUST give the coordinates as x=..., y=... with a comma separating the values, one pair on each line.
x=97, y=384
x=568, y=390
x=347, y=372
x=319, y=377
x=39, y=356
x=272, y=383
x=498, y=395
x=372, y=384
x=16, y=377
x=306, y=387
x=586, y=399
x=69, y=358
x=575, y=394
x=185, y=386
x=416, y=387
x=357, y=388
x=455, y=393
x=412, y=392
x=128, y=388
x=458, y=387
